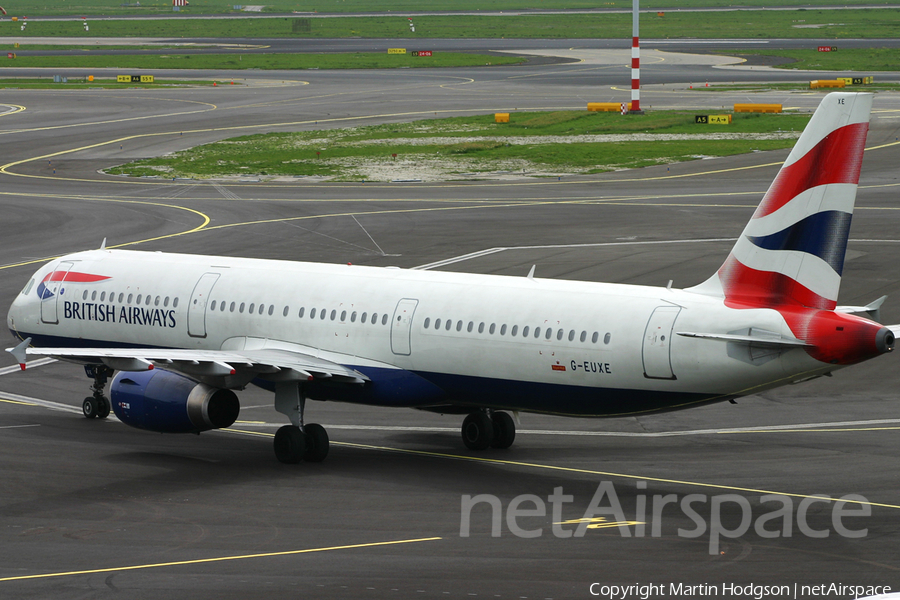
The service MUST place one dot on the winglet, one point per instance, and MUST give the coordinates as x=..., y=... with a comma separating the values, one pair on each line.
x=531, y=272
x=19, y=352
x=103, y=244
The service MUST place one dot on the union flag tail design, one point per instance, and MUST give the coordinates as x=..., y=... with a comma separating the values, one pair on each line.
x=791, y=253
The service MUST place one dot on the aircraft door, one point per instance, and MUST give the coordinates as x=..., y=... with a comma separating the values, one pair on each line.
x=401, y=326
x=197, y=306
x=657, y=343
x=53, y=289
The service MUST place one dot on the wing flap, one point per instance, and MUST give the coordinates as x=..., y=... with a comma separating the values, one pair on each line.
x=225, y=368
x=755, y=337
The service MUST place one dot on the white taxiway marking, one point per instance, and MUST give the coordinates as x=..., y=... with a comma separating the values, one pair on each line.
x=19, y=426
x=37, y=401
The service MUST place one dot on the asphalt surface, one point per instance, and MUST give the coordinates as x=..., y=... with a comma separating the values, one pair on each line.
x=95, y=509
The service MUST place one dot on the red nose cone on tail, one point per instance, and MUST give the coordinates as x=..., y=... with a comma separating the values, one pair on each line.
x=841, y=339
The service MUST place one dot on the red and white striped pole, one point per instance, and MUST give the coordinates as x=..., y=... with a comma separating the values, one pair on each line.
x=635, y=61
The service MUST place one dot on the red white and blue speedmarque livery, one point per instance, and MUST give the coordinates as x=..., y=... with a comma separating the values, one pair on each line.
x=183, y=332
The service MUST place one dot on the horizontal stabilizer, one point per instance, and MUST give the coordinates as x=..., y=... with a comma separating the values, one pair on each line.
x=755, y=337
x=872, y=309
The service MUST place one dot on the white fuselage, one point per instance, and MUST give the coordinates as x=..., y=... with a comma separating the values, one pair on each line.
x=591, y=349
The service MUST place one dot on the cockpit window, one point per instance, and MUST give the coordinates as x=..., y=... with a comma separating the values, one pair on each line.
x=28, y=287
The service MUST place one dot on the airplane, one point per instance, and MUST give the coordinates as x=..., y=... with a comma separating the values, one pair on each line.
x=180, y=333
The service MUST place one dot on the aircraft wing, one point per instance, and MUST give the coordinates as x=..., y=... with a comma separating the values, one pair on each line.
x=222, y=368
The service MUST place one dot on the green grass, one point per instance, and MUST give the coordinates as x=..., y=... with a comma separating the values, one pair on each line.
x=764, y=87
x=114, y=7
x=361, y=60
x=858, y=23
x=849, y=59
x=37, y=83
x=343, y=153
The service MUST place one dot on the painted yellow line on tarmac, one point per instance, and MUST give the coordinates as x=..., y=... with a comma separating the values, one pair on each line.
x=829, y=430
x=17, y=402
x=206, y=221
x=200, y=561
x=123, y=120
x=514, y=463
x=17, y=108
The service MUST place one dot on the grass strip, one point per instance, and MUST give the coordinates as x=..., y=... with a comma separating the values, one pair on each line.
x=847, y=59
x=148, y=7
x=81, y=83
x=544, y=143
x=358, y=60
x=812, y=24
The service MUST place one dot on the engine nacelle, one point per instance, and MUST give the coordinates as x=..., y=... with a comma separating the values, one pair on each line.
x=167, y=402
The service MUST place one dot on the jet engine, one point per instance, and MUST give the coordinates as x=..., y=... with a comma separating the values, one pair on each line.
x=159, y=400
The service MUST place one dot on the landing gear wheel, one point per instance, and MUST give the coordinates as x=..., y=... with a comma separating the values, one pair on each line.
x=90, y=407
x=316, y=443
x=103, y=408
x=290, y=444
x=504, y=430
x=477, y=431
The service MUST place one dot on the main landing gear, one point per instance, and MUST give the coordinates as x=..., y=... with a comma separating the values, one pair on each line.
x=487, y=428
x=97, y=405
x=298, y=441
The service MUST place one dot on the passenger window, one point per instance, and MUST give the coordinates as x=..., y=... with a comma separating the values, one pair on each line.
x=300, y=314
x=130, y=296
x=448, y=325
x=494, y=327
x=333, y=314
x=470, y=326
x=427, y=322
x=231, y=309
x=583, y=335
x=147, y=300
x=559, y=335
x=537, y=332
x=139, y=299
x=222, y=307
x=175, y=303
x=384, y=319
x=549, y=333
x=343, y=316
x=156, y=301
x=606, y=338
x=241, y=308
x=481, y=328
x=374, y=318
x=84, y=295
x=312, y=313
x=102, y=296
x=286, y=310
x=525, y=331
x=437, y=324
x=572, y=335
x=121, y=297
x=262, y=308
x=364, y=317
x=595, y=337
x=459, y=325
x=94, y=295
x=165, y=302
x=353, y=317
x=322, y=314
x=213, y=305
x=252, y=306
x=272, y=309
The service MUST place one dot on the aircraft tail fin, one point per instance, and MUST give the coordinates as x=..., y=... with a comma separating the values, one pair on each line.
x=792, y=250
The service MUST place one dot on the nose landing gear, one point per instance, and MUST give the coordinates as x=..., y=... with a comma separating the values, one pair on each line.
x=97, y=405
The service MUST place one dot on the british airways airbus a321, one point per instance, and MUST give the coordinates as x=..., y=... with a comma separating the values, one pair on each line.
x=181, y=333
